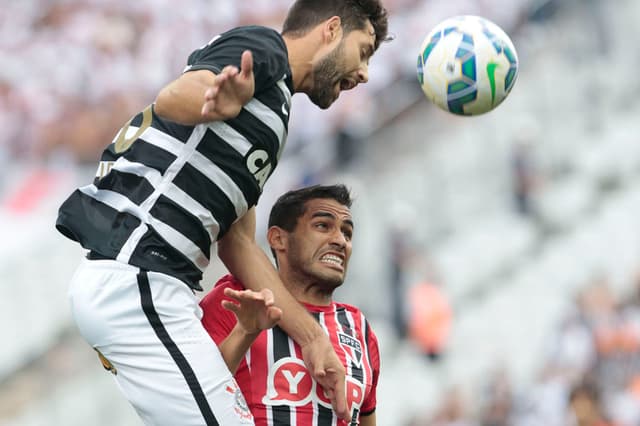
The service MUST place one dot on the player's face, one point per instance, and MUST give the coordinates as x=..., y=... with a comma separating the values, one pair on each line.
x=346, y=66
x=320, y=246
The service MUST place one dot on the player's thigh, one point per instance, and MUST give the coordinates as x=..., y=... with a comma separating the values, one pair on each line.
x=189, y=387
x=147, y=328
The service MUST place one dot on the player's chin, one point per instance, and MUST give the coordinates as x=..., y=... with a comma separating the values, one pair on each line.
x=333, y=275
x=325, y=99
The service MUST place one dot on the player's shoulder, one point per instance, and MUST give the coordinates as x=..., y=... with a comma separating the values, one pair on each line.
x=260, y=35
x=257, y=30
x=228, y=281
x=212, y=299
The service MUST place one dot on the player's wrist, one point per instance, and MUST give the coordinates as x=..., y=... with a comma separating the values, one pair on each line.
x=247, y=332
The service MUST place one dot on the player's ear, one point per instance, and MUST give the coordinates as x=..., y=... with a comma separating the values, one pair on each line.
x=332, y=29
x=277, y=238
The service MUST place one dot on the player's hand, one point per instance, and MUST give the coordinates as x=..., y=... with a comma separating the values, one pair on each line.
x=230, y=91
x=256, y=311
x=327, y=369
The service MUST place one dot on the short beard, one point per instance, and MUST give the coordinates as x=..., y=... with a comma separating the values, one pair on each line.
x=325, y=77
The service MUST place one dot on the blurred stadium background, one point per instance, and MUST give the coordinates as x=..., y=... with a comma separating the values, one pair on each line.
x=521, y=226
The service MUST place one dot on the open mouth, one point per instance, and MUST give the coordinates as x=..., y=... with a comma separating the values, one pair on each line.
x=347, y=84
x=333, y=260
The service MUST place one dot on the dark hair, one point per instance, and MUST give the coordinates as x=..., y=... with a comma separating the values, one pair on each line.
x=292, y=205
x=306, y=14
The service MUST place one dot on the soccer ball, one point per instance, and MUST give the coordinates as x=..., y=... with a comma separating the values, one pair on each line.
x=467, y=65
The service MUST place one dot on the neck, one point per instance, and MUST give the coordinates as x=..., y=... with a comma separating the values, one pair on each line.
x=301, y=51
x=306, y=291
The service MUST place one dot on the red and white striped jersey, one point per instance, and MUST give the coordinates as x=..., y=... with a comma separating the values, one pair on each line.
x=273, y=378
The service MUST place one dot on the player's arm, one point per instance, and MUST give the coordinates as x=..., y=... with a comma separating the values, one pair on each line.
x=368, y=420
x=255, y=311
x=202, y=96
x=241, y=254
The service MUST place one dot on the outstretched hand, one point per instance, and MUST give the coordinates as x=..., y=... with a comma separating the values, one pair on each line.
x=256, y=311
x=231, y=90
x=327, y=369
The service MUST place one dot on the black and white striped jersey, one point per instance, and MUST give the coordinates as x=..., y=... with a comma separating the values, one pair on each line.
x=164, y=192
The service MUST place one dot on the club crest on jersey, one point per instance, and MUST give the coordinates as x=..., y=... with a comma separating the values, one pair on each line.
x=352, y=348
x=241, y=407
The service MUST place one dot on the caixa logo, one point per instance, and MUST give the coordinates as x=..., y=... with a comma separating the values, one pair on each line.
x=290, y=383
x=259, y=165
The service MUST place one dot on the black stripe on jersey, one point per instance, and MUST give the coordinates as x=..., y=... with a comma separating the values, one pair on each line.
x=257, y=132
x=135, y=188
x=325, y=416
x=223, y=155
x=200, y=188
x=95, y=225
x=149, y=155
x=178, y=131
x=189, y=375
x=356, y=372
x=281, y=413
x=280, y=344
x=182, y=221
x=153, y=253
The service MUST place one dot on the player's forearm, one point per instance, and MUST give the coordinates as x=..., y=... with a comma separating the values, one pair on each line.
x=251, y=266
x=181, y=100
x=235, y=346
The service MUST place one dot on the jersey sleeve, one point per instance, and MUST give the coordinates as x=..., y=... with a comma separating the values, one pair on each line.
x=270, y=58
x=369, y=404
x=217, y=320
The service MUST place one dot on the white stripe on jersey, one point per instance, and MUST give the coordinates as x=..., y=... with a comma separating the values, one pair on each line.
x=270, y=362
x=180, y=242
x=216, y=175
x=270, y=119
x=151, y=175
x=172, y=192
x=176, y=239
x=163, y=141
x=230, y=136
x=130, y=245
x=115, y=201
x=293, y=411
x=282, y=85
x=123, y=204
x=183, y=199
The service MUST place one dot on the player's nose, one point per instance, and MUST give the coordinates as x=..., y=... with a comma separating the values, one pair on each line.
x=363, y=73
x=339, y=239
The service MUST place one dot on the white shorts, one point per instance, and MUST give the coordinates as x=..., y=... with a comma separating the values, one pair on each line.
x=147, y=327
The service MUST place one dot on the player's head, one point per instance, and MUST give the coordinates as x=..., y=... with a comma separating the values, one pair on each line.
x=352, y=31
x=310, y=232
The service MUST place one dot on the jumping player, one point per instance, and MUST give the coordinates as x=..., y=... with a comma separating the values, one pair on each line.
x=185, y=173
x=310, y=233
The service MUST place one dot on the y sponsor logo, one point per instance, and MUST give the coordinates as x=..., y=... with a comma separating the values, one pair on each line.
x=290, y=383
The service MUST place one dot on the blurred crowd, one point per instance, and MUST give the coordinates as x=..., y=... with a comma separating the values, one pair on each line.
x=73, y=71
x=591, y=373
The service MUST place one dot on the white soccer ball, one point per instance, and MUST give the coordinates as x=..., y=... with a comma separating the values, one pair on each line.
x=467, y=65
